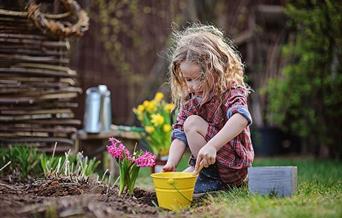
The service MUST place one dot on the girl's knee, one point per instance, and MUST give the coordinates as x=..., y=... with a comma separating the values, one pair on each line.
x=193, y=123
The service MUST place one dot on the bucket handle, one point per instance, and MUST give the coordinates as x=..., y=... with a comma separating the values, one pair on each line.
x=172, y=183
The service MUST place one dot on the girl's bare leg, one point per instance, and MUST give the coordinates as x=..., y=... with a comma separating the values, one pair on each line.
x=195, y=128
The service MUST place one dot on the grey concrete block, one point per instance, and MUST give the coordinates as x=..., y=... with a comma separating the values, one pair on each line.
x=279, y=180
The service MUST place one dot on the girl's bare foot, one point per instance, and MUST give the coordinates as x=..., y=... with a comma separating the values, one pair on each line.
x=190, y=169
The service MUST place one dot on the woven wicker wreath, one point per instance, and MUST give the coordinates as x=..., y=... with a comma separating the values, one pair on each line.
x=53, y=27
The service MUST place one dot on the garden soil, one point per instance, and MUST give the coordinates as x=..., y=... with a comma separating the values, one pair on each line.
x=65, y=198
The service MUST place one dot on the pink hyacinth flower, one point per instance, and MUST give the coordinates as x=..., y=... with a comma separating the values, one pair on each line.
x=118, y=150
x=114, y=141
x=146, y=160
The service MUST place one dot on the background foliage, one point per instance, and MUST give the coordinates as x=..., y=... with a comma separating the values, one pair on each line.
x=306, y=98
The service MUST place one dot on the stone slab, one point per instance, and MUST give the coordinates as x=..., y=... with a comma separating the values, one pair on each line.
x=276, y=181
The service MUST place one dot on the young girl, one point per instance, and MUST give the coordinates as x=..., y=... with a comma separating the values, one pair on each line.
x=213, y=121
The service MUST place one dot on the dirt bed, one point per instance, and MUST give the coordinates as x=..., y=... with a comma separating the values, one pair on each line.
x=64, y=198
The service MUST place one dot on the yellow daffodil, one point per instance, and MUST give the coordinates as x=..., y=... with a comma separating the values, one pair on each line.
x=169, y=107
x=149, y=129
x=159, y=96
x=141, y=108
x=157, y=119
x=145, y=103
x=164, y=152
x=166, y=128
x=153, y=115
x=139, y=112
x=151, y=107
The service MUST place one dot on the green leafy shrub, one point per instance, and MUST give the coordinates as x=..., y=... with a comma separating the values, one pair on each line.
x=306, y=99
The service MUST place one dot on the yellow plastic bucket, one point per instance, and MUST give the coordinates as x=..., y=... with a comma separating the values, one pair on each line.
x=174, y=189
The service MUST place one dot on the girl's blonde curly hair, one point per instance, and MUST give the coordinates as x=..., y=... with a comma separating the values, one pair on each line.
x=219, y=61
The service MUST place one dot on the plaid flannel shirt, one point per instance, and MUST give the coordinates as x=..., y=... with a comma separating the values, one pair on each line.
x=237, y=155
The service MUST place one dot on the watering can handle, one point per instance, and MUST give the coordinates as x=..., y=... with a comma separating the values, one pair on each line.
x=172, y=183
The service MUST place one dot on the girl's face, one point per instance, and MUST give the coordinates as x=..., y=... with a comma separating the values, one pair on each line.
x=192, y=74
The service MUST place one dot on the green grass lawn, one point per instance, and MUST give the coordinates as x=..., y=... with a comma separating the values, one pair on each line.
x=319, y=193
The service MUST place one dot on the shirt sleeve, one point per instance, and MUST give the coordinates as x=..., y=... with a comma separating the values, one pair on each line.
x=177, y=128
x=237, y=103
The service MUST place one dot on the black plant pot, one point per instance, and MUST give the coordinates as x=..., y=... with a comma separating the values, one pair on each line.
x=268, y=141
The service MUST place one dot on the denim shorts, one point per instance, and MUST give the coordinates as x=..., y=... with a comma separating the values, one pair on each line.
x=208, y=179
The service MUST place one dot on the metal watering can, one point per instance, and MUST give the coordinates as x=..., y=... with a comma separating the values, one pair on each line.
x=98, y=111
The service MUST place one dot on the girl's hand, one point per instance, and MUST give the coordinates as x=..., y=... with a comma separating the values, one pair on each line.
x=206, y=156
x=169, y=167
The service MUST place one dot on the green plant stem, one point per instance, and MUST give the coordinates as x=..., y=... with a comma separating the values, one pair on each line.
x=133, y=177
x=128, y=176
x=122, y=180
